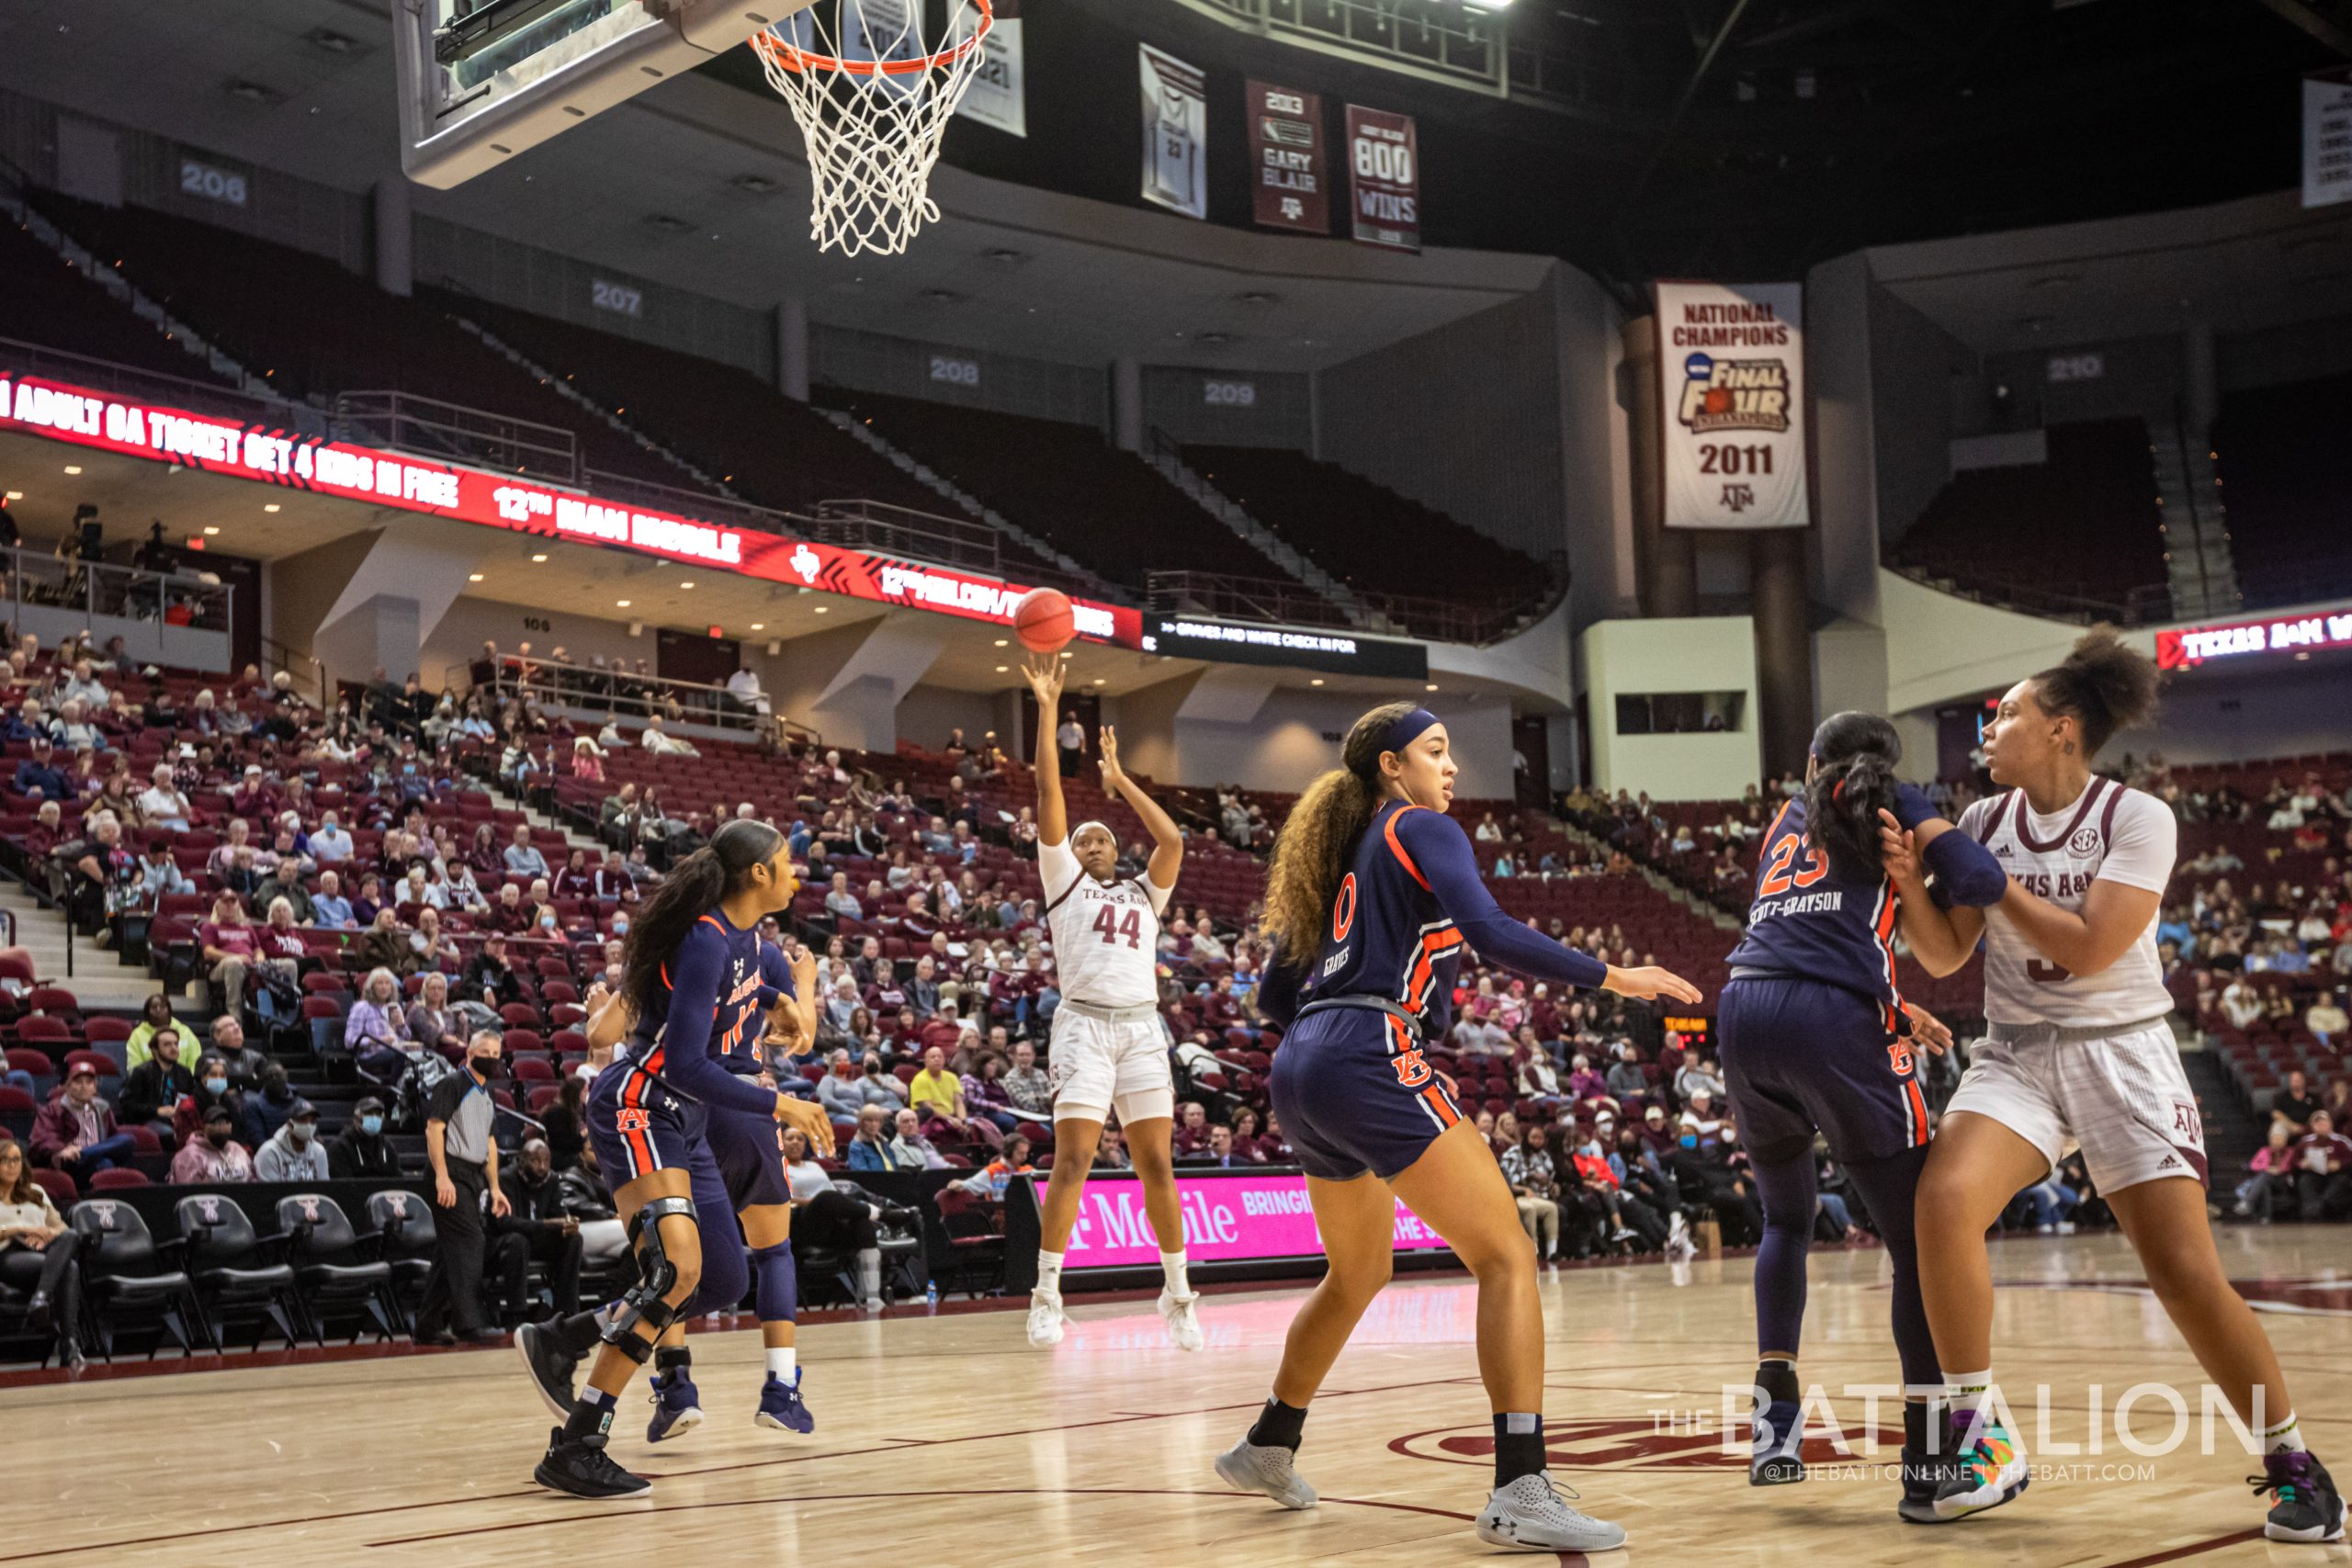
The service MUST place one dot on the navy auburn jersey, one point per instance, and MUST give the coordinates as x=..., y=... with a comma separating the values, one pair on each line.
x=1412, y=899
x=730, y=978
x=1808, y=923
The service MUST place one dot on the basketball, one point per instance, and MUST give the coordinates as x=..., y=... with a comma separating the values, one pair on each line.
x=1043, y=622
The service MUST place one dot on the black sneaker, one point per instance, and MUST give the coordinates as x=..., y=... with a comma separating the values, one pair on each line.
x=553, y=1372
x=580, y=1467
x=2309, y=1508
x=1923, y=1476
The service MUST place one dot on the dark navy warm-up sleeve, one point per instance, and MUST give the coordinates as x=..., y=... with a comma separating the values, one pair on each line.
x=696, y=972
x=1278, y=990
x=1966, y=873
x=1447, y=865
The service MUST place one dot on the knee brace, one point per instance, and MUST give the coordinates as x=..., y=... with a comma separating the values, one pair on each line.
x=643, y=1303
x=778, y=1279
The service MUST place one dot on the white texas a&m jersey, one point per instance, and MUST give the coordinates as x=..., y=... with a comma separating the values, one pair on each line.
x=2108, y=833
x=1106, y=934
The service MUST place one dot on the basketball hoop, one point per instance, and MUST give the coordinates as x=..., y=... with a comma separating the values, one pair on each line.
x=873, y=98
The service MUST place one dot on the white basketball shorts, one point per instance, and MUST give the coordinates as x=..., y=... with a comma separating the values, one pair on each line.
x=2122, y=1099
x=1099, y=1066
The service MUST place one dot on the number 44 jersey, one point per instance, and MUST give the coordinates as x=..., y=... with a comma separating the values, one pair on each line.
x=1106, y=934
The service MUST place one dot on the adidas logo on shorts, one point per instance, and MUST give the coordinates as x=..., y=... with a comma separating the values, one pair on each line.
x=2168, y=1162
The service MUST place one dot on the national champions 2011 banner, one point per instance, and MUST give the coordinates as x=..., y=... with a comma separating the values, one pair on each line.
x=1731, y=405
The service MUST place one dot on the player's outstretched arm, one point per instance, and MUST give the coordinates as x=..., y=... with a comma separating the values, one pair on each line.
x=1167, y=838
x=1045, y=672
x=2113, y=915
x=1940, y=939
x=1438, y=853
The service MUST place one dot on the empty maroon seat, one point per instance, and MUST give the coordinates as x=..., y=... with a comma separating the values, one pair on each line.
x=120, y=1175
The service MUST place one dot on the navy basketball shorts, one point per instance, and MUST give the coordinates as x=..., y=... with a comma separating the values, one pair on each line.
x=1354, y=1093
x=749, y=1149
x=1799, y=1055
x=639, y=1126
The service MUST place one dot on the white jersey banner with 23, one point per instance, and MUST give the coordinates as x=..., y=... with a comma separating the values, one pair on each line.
x=1731, y=405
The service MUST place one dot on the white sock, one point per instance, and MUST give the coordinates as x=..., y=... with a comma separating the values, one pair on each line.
x=869, y=1273
x=2285, y=1437
x=1965, y=1392
x=1049, y=1271
x=781, y=1360
x=1172, y=1265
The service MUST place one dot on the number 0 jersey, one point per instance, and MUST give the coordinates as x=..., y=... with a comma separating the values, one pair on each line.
x=1106, y=934
x=1806, y=923
x=2107, y=834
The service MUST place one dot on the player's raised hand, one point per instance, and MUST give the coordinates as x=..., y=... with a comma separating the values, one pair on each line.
x=1898, y=848
x=1648, y=982
x=1107, y=741
x=1045, y=672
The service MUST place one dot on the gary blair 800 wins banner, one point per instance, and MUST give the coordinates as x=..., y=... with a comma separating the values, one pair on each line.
x=1731, y=405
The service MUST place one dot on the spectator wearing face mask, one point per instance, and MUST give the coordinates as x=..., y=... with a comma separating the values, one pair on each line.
x=294, y=1152
x=535, y=1226
x=361, y=1151
x=214, y=1155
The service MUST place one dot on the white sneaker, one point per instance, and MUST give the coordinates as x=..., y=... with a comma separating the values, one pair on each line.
x=1271, y=1469
x=1528, y=1515
x=2065, y=1227
x=1046, y=1318
x=1176, y=1312
x=1678, y=1238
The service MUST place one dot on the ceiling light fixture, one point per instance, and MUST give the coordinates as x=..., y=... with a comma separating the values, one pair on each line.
x=620, y=603
x=73, y=468
x=475, y=578
x=541, y=557
x=211, y=529
x=271, y=506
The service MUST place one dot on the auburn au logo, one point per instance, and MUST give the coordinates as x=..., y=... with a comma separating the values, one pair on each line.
x=629, y=1119
x=1412, y=1067
x=1898, y=1056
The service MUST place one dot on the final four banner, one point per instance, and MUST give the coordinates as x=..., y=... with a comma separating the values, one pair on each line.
x=1731, y=405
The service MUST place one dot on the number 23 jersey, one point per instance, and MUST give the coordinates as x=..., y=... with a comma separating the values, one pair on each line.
x=2107, y=834
x=1106, y=934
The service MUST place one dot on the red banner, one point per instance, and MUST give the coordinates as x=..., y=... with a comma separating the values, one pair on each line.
x=1286, y=148
x=2188, y=647
x=1384, y=159
x=275, y=456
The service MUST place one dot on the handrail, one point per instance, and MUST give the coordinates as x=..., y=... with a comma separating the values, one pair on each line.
x=456, y=432
x=2141, y=605
x=127, y=592
x=283, y=656
x=591, y=689
x=139, y=384
x=1281, y=602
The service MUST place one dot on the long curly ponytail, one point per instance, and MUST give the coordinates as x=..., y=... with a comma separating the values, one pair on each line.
x=1855, y=756
x=1318, y=839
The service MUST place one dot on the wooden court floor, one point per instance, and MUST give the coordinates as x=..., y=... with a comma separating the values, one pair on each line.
x=949, y=1441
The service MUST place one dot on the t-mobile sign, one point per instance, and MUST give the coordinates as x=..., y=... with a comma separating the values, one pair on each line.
x=1229, y=1217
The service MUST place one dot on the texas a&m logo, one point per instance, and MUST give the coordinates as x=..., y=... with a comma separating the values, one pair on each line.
x=1738, y=498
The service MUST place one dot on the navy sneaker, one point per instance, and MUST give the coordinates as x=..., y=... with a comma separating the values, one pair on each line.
x=2309, y=1508
x=1779, y=1433
x=677, y=1406
x=780, y=1406
x=1923, y=1476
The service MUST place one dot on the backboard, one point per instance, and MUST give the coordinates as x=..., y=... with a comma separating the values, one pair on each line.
x=484, y=80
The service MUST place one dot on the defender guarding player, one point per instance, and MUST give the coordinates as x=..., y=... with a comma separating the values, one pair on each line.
x=1109, y=1050
x=693, y=956
x=1373, y=895
x=1815, y=1036
x=2081, y=1049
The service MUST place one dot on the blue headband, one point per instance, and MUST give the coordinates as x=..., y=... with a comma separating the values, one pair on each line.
x=1407, y=729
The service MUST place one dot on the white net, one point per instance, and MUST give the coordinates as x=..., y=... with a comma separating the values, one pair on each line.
x=872, y=94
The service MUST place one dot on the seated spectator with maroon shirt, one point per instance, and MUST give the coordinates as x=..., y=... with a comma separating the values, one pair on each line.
x=76, y=1130
x=2322, y=1166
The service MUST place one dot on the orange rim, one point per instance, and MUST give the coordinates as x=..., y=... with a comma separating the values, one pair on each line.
x=775, y=52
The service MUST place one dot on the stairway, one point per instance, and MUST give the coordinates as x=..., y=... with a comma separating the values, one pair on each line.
x=100, y=978
x=1168, y=462
x=2202, y=571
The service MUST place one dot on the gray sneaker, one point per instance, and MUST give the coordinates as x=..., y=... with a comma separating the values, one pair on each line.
x=1272, y=1470
x=1528, y=1515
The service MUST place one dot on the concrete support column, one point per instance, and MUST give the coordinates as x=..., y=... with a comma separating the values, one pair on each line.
x=1783, y=648
x=792, y=348
x=1665, y=563
x=1126, y=404
x=395, y=237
